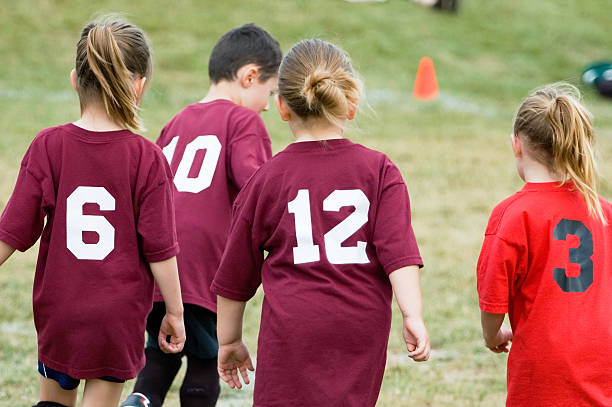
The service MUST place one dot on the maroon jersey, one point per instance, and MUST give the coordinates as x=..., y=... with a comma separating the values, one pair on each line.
x=548, y=264
x=213, y=148
x=334, y=218
x=107, y=200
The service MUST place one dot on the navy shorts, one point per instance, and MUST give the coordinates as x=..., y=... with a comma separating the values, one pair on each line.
x=67, y=382
x=200, y=327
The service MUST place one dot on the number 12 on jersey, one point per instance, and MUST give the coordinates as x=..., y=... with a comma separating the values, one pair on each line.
x=306, y=251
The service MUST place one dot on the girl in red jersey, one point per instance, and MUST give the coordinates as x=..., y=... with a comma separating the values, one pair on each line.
x=547, y=259
x=334, y=218
x=106, y=194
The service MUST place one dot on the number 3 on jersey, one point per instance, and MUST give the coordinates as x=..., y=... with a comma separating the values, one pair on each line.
x=580, y=255
x=306, y=251
x=204, y=178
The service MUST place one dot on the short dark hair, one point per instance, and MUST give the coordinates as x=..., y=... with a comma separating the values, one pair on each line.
x=247, y=44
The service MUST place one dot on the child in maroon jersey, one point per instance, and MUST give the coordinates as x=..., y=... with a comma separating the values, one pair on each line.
x=547, y=261
x=107, y=198
x=213, y=147
x=334, y=217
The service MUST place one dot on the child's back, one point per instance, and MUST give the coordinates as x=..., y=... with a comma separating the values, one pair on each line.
x=98, y=190
x=334, y=218
x=553, y=260
x=327, y=214
x=100, y=198
x=213, y=148
x=546, y=261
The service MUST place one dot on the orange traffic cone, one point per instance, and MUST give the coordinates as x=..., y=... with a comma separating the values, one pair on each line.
x=426, y=85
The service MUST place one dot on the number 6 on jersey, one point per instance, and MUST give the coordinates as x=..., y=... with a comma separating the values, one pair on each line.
x=77, y=223
x=306, y=251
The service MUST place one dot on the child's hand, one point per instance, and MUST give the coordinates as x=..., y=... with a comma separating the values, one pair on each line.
x=172, y=328
x=501, y=341
x=417, y=339
x=234, y=357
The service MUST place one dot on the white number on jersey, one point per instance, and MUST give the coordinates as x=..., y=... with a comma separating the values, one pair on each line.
x=77, y=223
x=204, y=178
x=306, y=251
x=337, y=254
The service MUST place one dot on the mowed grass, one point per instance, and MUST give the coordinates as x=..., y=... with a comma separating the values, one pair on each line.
x=453, y=152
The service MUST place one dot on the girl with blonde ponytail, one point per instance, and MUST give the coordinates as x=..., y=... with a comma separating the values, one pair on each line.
x=334, y=217
x=547, y=259
x=101, y=198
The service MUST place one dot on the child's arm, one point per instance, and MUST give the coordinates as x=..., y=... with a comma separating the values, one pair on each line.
x=5, y=251
x=406, y=286
x=166, y=276
x=496, y=336
x=233, y=353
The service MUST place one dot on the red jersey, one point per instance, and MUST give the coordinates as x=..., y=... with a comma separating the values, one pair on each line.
x=334, y=218
x=548, y=264
x=213, y=148
x=107, y=200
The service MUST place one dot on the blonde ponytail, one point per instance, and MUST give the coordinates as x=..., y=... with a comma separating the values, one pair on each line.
x=559, y=130
x=316, y=79
x=110, y=56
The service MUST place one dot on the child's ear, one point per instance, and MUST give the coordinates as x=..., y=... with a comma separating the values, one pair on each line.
x=73, y=79
x=352, y=112
x=247, y=75
x=139, y=85
x=283, y=109
x=517, y=145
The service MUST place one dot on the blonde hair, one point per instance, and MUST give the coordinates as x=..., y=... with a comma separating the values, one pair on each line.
x=558, y=129
x=111, y=54
x=316, y=79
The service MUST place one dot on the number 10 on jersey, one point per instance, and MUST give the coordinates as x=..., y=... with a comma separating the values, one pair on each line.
x=306, y=251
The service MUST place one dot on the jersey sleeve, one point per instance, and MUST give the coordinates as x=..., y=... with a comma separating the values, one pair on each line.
x=155, y=224
x=249, y=148
x=393, y=236
x=495, y=271
x=239, y=274
x=23, y=218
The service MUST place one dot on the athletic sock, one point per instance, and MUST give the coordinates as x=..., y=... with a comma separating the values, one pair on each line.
x=201, y=384
x=49, y=404
x=156, y=377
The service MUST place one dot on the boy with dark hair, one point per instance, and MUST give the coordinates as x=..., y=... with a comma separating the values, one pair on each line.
x=213, y=147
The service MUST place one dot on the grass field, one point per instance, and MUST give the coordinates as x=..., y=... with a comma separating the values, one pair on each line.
x=453, y=152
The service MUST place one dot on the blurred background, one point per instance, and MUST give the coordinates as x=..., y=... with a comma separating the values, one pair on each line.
x=453, y=151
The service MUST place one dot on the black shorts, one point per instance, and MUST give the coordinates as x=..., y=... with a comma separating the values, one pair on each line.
x=68, y=382
x=200, y=327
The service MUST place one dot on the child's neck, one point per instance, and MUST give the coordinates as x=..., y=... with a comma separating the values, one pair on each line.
x=95, y=118
x=223, y=90
x=536, y=172
x=315, y=130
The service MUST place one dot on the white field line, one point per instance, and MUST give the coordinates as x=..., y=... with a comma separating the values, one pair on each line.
x=405, y=101
x=375, y=97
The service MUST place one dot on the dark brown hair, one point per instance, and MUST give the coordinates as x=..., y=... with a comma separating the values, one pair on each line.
x=247, y=44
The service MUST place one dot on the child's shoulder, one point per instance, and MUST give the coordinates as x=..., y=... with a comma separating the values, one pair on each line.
x=236, y=116
x=51, y=132
x=506, y=212
x=223, y=106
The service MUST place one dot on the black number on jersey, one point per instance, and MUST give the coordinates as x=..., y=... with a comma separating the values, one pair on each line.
x=580, y=255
